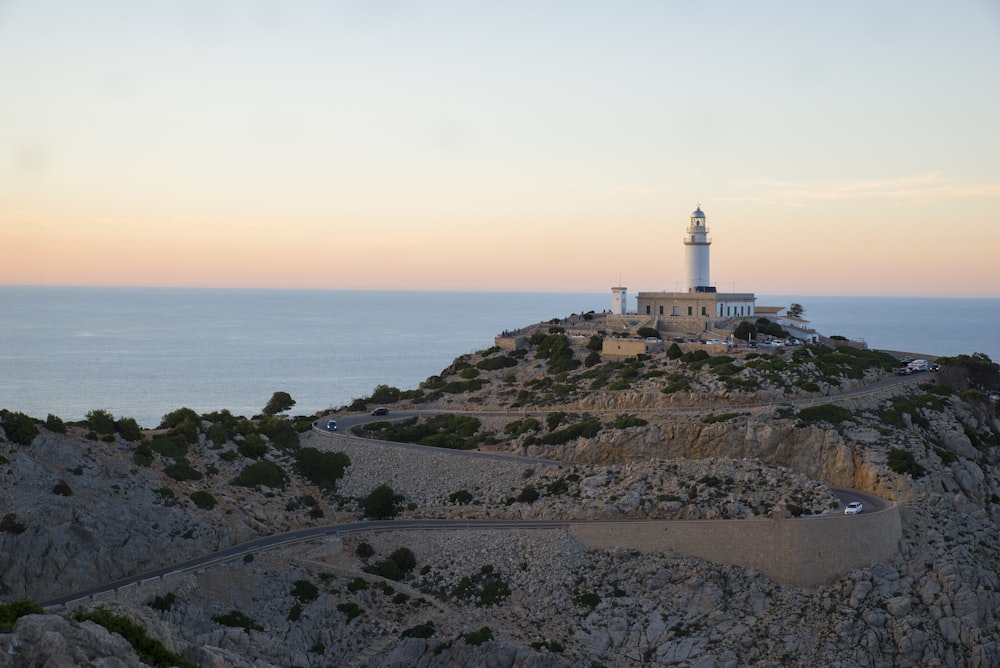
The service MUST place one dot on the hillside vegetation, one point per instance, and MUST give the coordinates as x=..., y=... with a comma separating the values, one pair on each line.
x=699, y=436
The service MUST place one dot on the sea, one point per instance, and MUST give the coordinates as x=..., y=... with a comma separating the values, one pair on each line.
x=143, y=352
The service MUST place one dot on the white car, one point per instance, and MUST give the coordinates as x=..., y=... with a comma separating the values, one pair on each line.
x=853, y=508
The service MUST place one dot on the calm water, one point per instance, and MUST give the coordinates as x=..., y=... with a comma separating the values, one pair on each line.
x=142, y=352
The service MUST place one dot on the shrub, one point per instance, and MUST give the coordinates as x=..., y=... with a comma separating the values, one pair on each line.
x=589, y=599
x=62, y=488
x=903, y=462
x=173, y=446
x=129, y=429
x=350, y=609
x=55, y=424
x=11, y=612
x=484, y=634
x=381, y=503
x=518, y=427
x=425, y=630
x=364, y=550
x=626, y=421
x=174, y=418
x=281, y=432
x=265, y=473
x=584, y=429
x=461, y=497
x=182, y=471
x=203, y=499
x=305, y=591
x=280, y=401
x=596, y=343
x=9, y=524
x=163, y=603
x=396, y=567
x=150, y=650
x=483, y=588
x=528, y=494
x=495, y=363
x=101, y=421
x=19, y=428
x=252, y=446
x=236, y=619
x=321, y=468
x=674, y=352
x=721, y=417
x=826, y=413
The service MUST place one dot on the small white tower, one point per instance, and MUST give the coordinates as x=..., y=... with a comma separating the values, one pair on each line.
x=696, y=252
x=618, y=300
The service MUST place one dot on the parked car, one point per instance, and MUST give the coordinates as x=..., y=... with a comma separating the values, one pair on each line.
x=332, y=425
x=853, y=508
x=903, y=371
x=381, y=410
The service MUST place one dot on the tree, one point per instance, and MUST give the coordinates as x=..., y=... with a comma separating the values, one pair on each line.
x=280, y=401
x=101, y=421
x=20, y=428
x=648, y=333
x=796, y=310
x=381, y=503
x=745, y=331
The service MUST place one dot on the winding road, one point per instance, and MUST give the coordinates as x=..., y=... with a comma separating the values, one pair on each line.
x=347, y=423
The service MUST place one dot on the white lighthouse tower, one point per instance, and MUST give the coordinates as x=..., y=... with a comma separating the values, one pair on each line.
x=696, y=244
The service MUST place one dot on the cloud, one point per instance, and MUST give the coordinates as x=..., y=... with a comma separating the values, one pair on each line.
x=919, y=189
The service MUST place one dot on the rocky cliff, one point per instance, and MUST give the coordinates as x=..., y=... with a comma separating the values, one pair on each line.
x=535, y=597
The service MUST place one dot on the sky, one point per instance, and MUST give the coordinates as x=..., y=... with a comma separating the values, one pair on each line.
x=836, y=148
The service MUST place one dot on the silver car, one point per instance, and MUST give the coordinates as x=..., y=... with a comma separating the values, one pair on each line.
x=853, y=508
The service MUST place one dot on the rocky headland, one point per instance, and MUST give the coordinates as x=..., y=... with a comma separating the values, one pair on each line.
x=731, y=435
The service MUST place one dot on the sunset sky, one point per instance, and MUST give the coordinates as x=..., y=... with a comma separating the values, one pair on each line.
x=839, y=148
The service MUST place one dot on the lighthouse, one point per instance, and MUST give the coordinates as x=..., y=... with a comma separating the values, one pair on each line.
x=696, y=244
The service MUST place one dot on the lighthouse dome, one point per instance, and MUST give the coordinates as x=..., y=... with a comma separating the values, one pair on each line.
x=698, y=213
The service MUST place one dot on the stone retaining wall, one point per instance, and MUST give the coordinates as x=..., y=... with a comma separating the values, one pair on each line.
x=800, y=552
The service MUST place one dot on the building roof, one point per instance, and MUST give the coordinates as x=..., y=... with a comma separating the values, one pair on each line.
x=698, y=213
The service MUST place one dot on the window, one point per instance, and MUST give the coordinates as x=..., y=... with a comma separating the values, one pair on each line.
x=647, y=309
x=704, y=311
x=689, y=310
x=661, y=309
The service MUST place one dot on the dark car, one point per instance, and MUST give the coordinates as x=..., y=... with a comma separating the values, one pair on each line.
x=332, y=425
x=381, y=410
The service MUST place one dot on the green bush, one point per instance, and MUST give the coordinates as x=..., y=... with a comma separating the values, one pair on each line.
x=484, y=634
x=425, y=630
x=62, y=488
x=282, y=433
x=350, y=609
x=173, y=446
x=19, y=428
x=721, y=417
x=495, y=363
x=203, y=499
x=584, y=429
x=382, y=503
x=483, y=588
x=55, y=424
x=163, y=603
x=626, y=421
x=305, y=591
x=150, y=650
x=279, y=402
x=523, y=426
x=588, y=599
x=903, y=462
x=321, y=468
x=129, y=429
x=528, y=494
x=263, y=474
x=828, y=413
x=11, y=612
x=396, y=566
x=648, y=333
x=174, y=418
x=101, y=421
x=674, y=352
x=182, y=471
x=236, y=619
x=461, y=497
